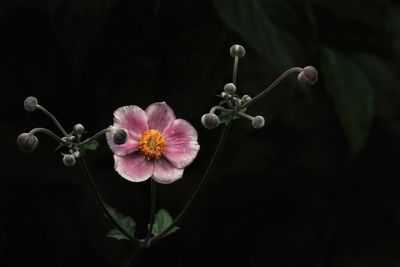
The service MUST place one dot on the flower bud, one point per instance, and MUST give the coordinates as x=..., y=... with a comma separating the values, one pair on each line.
x=258, y=122
x=79, y=129
x=27, y=142
x=30, y=103
x=237, y=51
x=245, y=99
x=309, y=75
x=69, y=160
x=120, y=136
x=230, y=88
x=210, y=121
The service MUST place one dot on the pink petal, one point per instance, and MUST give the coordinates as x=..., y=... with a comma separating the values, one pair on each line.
x=130, y=146
x=160, y=116
x=134, y=167
x=133, y=119
x=182, y=145
x=165, y=173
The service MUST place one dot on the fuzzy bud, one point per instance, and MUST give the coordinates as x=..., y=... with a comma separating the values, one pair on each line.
x=120, y=136
x=237, y=51
x=309, y=75
x=210, y=121
x=245, y=99
x=30, y=103
x=230, y=88
x=258, y=122
x=69, y=160
x=79, y=129
x=27, y=142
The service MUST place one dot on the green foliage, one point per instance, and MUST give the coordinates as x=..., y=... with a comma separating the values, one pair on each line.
x=352, y=94
x=360, y=85
x=249, y=19
x=92, y=145
x=162, y=221
x=126, y=222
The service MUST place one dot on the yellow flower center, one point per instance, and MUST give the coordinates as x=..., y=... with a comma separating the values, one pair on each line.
x=152, y=144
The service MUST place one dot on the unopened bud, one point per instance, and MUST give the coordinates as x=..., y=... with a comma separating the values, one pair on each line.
x=230, y=88
x=309, y=75
x=120, y=136
x=224, y=95
x=237, y=51
x=79, y=129
x=27, y=142
x=30, y=103
x=69, y=160
x=258, y=122
x=245, y=99
x=210, y=121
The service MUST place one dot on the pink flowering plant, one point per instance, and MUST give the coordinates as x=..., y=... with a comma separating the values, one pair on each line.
x=154, y=145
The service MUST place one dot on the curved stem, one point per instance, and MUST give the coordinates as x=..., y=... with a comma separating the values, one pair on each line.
x=103, y=205
x=48, y=132
x=244, y=115
x=53, y=119
x=203, y=180
x=94, y=137
x=212, y=111
x=234, y=72
x=272, y=86
x=152, y=210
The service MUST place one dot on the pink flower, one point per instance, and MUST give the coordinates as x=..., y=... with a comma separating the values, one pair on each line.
x=158, y=146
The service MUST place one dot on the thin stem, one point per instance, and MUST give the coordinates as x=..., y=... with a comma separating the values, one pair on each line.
x=152, y=210
x=94, y=137
x=53, y=119
x=103, y=205
x=48, y=132
x=196, y=192
x=272, y=86
x=244, y=115
x=235, y=67
x=220, y=108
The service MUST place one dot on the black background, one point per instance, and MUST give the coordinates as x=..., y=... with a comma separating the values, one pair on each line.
x=317, y=186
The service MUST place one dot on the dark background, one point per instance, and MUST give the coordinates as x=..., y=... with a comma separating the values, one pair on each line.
x=318, y=186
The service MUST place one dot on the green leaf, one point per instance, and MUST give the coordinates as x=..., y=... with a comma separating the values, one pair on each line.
x=162, y=221
x=116, y=234
x=352, y=94
x=250, y=20
x=126, y=222
x=92, y=145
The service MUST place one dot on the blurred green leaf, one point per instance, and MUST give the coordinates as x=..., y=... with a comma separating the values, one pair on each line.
x=116, y=234
x=92, y=145
x=249, y=19
x=126, y=222
x=162, y=221
x=352, y=94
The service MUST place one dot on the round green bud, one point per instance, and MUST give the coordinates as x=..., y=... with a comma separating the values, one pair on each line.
x=309, y=75
x=258, y=122
x=230, y=88
x=27, y=142
x=30, y=103
x=210, y=121
x=79, y=129
x=237, y=51
x=245, y=99
x=69, y=160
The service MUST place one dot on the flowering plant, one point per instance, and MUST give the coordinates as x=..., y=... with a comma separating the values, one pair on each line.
x=153, y=143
